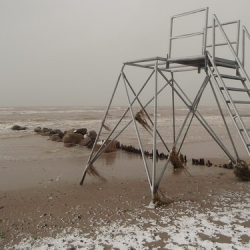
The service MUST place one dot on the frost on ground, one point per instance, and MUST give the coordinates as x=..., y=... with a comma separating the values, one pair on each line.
x=224, y=225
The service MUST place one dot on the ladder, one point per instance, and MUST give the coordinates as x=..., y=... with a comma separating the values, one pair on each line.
x=233, y=87
x=229, y=85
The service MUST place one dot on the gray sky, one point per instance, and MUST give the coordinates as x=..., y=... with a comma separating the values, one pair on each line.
x=61, y=52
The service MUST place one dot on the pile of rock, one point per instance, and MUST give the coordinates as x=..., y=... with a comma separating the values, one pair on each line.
x=82, y=137
x=70, y=138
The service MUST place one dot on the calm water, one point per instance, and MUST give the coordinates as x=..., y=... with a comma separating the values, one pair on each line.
x=26, y=145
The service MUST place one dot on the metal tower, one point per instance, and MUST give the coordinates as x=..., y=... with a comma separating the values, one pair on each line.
x=224, y=72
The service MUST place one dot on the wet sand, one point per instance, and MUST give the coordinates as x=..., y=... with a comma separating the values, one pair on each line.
x=42, y=198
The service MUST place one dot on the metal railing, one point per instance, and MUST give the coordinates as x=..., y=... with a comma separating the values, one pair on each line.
x=214, y=44
x=233, y=51
x=203, y=32
x=217, y=24
x=244, y=33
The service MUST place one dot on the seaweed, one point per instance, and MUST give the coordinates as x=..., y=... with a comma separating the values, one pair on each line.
x=161, y=200
x=91, y=170
x=106, y=127
x=141, y=118
x=242, y=170
x=176, y=161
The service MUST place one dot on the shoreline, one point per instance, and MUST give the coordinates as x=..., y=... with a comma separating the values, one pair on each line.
x=43, y=198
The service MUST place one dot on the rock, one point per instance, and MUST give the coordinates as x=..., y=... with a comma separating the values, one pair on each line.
x=82, y=131
x=56, y=138
x=91, y=144
x=92, y=134
x=17, y=127
x=46, y=130
x=68, y=132
x=85, y=141
x=111, y=148
x=55, y=131
x=38, y=129
x=61, y=135
x=72, y=138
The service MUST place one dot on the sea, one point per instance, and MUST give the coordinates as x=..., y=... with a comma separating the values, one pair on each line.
x=26, y=145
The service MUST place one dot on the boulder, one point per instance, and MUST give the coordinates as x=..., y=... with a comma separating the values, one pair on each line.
x=82, y=131
x=85, y=141
x=46, y=130
x=68, y=132
x=72, y=138
x=17, y=127
x=56, y=138
x=55, y=131
x=112, y=147
x=38, y=130
x=65, y=133
x=92, y=134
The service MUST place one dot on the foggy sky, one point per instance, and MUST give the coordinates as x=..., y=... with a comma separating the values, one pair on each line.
x=61, y=52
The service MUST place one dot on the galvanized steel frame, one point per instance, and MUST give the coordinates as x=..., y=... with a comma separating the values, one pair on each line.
x=159, y=66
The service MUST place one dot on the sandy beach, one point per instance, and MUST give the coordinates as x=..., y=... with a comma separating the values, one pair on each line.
x=42, y=205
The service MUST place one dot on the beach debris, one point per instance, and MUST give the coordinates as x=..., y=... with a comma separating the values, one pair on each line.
x=17, y=127
x=242, y=170
x=160, y=199
x=91, y=170
x=176, y=162
x=141, y=118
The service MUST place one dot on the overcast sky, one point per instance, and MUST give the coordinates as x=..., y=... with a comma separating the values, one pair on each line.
x=70, y=52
